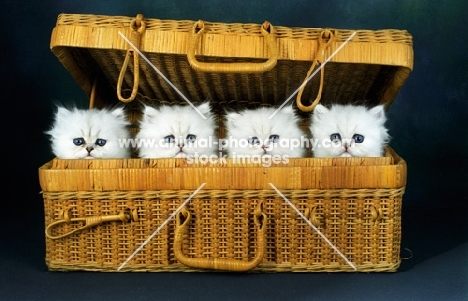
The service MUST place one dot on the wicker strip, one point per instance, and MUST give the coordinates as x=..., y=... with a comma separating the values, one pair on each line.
x=222, y=194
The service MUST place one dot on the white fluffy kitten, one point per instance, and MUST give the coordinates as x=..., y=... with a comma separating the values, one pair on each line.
x=349, y=131
x=252, y=133
x=177, y=132
x=89, y=134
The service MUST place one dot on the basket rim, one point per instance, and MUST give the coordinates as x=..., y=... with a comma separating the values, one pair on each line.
x=74, y=176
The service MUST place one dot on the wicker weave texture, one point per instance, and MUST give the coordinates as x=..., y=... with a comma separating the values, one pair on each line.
x=372, y=67
x=365, y=225
x=157, y=174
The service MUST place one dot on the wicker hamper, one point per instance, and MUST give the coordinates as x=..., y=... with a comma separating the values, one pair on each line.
x=158, y=215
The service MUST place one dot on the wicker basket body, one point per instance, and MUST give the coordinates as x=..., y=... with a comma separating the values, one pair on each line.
x=310, y=214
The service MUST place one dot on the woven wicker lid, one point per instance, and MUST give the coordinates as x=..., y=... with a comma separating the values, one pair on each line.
x=359, y=66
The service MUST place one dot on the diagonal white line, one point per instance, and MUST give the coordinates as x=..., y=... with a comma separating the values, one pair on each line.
x=313, y=227
x=312, y=75
x=161, y=74
x=160, y=227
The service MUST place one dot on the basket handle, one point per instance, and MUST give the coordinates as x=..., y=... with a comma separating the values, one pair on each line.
x=267, y=31
x=312, y=215
x=226, y=264
x=90, y=221
x=376, y=213
x=137, y=27
x=319, y=59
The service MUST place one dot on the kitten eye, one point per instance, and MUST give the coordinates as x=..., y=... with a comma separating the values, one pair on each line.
x=358, y=138
x=78, y=141
x=191, y=138
x=335, y=137
x=169, y=139
x=100, y=142
x=274, y=138
x=253, y=140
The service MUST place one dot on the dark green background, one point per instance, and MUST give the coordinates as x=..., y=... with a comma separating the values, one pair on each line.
x=428, y=119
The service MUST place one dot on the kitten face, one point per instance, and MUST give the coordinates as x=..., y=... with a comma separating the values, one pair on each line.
x=89, y=134
x=251, y=133
x=177, y=132
x=349, y=131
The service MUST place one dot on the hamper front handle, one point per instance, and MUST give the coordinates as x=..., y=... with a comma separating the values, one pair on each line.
x=226, y=264
x=267, y=31
x=90, y=221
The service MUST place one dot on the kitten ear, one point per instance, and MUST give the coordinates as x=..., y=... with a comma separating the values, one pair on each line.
x=288, y=110
x=231, y=118
x=150, y=112
x=319, y=111
x=118, y=112
x=205, y=109
x=232, y=115
x=62, y=112
x=378, y=112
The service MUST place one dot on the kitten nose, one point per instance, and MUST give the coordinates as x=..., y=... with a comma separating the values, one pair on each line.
x=89, y=149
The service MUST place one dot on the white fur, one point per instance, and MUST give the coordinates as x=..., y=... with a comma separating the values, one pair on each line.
x=255, y=123
x=179, y=121
x=90, y=124
x=348, y=120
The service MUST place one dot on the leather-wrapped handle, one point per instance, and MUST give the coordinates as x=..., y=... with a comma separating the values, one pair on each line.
x=182, y=220
x=89, y=221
